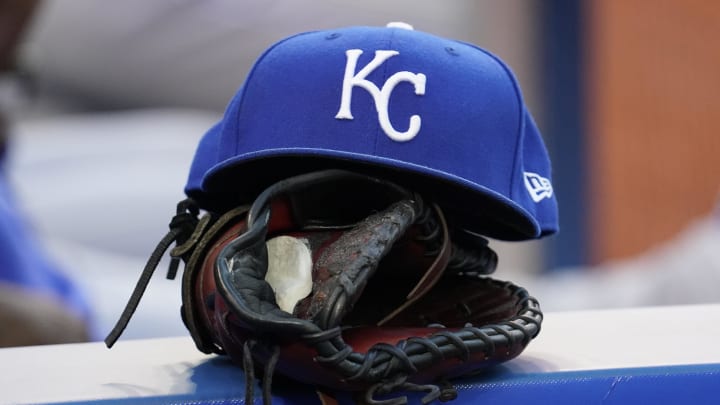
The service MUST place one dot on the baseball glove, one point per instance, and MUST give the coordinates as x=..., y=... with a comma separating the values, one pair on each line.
x=345, y=282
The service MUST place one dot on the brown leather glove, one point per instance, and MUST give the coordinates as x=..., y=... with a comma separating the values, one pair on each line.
x=345, y=282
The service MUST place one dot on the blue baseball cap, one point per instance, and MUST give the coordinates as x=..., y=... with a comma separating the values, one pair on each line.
x=443, y=117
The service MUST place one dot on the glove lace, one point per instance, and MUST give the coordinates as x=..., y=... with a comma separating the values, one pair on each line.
x=391, y=365
x=181, y=227
x=400, y=384
x=249, y=368
x=430, y=230
x=470, y=252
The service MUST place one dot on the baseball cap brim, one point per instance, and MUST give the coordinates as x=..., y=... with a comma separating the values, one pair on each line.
x=477, y=208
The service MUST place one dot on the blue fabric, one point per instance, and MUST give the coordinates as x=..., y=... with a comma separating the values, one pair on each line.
x=687, y=384
x=25, y=264
x=220, y=383
x=475, y=139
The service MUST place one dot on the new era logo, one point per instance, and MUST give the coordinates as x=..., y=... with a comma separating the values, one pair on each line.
x=538, y=186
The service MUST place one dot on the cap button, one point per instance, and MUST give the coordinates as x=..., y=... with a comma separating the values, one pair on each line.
x=400, y=24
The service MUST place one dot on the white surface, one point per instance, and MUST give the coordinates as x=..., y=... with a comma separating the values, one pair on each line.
x=623, y=338
x=569, y=341
x=90, y=371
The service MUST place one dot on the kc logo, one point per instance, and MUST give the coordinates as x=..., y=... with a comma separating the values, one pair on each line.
x=381, y=96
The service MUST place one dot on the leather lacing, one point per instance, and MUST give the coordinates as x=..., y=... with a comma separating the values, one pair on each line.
x=249, y=368
x=470, y=253
x=183, y=226
x=391, y=365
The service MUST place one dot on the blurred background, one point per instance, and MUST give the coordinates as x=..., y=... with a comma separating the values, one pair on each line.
x=105, y=103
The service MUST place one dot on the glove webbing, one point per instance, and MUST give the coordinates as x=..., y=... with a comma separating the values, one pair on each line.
x=383, y=361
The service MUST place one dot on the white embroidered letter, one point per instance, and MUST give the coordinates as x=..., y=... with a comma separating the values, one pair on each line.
x=380, y=96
